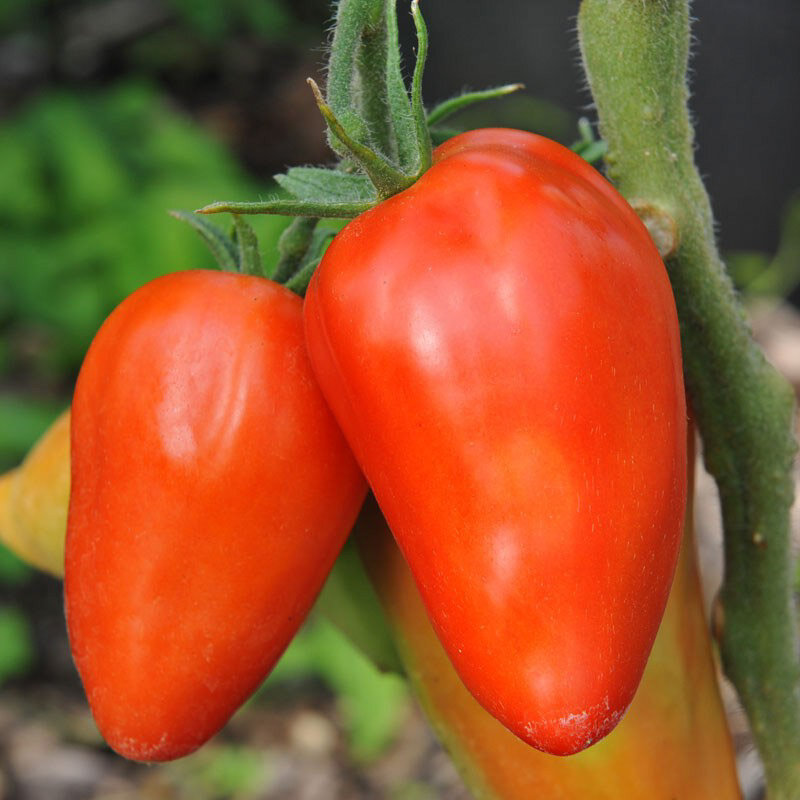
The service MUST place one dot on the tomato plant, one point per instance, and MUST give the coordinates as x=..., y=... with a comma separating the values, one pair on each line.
x=500, y=346
x=211, y=493
x=496, y=336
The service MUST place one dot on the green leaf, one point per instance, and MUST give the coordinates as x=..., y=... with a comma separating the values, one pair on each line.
x=248, y=254
x=25, y=201
x=219, y=243
x=455, y=104
x=320, y=240
x=353, y=18
x=320, y=184
x=298, y=283
x=349, y=601
x=289, y=206
x=589, y=147
x=592, y=152
x=84, y=175
x=219, y=771
x=292, y=247
x=386, y=177
x=372, y=703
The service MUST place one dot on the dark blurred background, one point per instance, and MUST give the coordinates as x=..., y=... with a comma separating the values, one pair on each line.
x=112, y=112
x=745, y=89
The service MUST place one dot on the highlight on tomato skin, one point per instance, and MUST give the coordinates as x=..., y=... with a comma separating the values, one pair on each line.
x=500, y=347
x=211, y=493
x=676, y=718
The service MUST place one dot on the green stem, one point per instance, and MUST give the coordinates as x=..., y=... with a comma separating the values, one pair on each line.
x=455, y=104
x=353, y=18
x=291, y=207
x=635, y=53
x=371, y=83
x=365, y=89
x=397, y=96
x=425, y=149
x=371, y=118
x=292, y=246
x=386, y=178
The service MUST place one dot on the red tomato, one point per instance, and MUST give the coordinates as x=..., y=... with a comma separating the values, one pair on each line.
x=211, y=493
x=500, y=346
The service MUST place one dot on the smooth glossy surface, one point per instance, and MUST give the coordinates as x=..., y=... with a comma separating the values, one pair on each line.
x=500, y=346
x=672, y=743
x=211, y=492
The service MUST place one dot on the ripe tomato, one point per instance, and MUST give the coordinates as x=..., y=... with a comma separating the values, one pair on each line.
x=676, y=718
x=211, y=492
x=500, y=346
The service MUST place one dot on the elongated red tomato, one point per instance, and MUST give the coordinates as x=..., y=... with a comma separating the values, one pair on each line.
x=500, y=346
x=211, y=493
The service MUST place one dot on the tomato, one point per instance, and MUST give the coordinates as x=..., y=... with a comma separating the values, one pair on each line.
x=500, y=346
x=676, y=718
x=211, y=493
x=33, y=501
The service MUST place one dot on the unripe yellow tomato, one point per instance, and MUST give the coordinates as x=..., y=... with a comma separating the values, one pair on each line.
x=34, y=498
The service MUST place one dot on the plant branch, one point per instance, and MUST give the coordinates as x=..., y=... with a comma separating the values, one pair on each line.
x=344, y=92
x=452, y=106
x=424, y=150
x=636, y=54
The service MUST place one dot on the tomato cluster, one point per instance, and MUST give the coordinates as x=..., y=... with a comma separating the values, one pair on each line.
x=211, y=493
x=499, y=349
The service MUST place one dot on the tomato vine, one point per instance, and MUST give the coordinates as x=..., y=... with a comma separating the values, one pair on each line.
x=636, y=55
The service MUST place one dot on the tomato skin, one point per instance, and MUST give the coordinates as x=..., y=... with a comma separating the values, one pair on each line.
x=676, y=718
x=500, y=346
x=211, y=493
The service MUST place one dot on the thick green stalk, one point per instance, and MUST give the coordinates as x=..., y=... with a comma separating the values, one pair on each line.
x=292, y=246
x=365, y=89
x=370, y=86
x=355, y=19
x=635, y=53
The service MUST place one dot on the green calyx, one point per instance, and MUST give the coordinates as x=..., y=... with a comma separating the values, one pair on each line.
x=376, y=125
x=378, y=128
x=373, y=121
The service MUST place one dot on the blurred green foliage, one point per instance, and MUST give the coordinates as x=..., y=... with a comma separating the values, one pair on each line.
x=13, y=571
x=778, y=275
x=414, y=791
x=22, y=420
x=271, y=20
x=16, y=643
x=372, y=703
x=16, y=638
x=86, y=223
x=221, y=773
